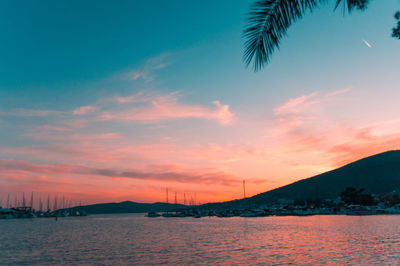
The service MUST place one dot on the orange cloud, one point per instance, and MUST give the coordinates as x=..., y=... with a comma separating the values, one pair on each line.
x=362, y=143
x=192, y=176
x=306, y=136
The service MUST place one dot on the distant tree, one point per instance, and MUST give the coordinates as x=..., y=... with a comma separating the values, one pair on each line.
x=352, y=195
x=366, y=200
x=299, y=202
x=314, y=202
x=269, y=21
x=390, y=199
x=348, y=195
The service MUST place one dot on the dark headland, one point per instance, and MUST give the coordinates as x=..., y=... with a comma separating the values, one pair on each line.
x=376, y=174
x=129, y=207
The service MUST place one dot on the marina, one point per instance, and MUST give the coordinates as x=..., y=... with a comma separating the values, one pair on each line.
x=354, y=210
x=28, y=212
x=23, y=210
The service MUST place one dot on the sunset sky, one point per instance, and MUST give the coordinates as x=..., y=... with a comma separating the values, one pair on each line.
x=117, y=100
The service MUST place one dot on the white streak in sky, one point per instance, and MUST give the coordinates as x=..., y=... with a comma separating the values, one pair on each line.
x=367, y=43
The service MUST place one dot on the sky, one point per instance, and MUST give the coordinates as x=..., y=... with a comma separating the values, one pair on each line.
x=109, y=101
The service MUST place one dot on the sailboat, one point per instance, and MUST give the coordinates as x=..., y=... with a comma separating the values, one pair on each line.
x=167, y=214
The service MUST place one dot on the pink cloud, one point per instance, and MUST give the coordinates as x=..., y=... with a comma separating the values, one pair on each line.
x=307, y=136
x=338, y=92
x=304, y=112
x=361, y=143
x=143, y=107
x=144, y=97
x=96, y=150
x=167, y=107
x=84, y=110
x=295, y=105
x=302, y=127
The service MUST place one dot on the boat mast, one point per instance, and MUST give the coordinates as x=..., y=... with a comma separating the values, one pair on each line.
x=244, y=189
x=167, y=199
x=31, y=200
x=40, y=204
x=8, y=201
x=48, y=203
x=23, y=199
x=55, y=202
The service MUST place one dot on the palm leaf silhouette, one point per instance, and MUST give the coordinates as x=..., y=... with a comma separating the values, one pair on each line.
x=269, y=21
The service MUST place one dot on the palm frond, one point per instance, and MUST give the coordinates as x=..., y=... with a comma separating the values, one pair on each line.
x=269, y=20
x=352, y=4
x=267, y=23
x=396, y=30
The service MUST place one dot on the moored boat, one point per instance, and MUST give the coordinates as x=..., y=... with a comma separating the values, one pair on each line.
x=153, y=214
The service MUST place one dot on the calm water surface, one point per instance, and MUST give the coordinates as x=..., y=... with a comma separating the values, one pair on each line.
x=134, y=239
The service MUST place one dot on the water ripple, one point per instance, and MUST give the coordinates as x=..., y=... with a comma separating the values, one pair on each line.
x=133, y=239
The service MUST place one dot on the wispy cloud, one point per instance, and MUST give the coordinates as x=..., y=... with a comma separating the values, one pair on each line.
x=151, y=65
x=329, y=95
x=84, y=110
x=302, y=126
x=302, y=110
x=158, y=107
x=141, y=107
x=195, y=176
x=31, y=113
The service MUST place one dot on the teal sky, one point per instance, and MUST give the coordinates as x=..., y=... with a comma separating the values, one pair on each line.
x=83, y=78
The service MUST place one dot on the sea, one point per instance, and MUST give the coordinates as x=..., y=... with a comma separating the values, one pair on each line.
x=132, y=239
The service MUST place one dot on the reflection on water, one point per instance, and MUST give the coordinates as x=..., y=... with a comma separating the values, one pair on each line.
x=134, y=239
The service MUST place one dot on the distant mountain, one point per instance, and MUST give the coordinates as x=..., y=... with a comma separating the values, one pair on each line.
x=376, y=174
x=129, y=207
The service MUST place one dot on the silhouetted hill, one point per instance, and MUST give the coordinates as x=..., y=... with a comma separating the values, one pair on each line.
x=377, y=174
x=129, y=207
